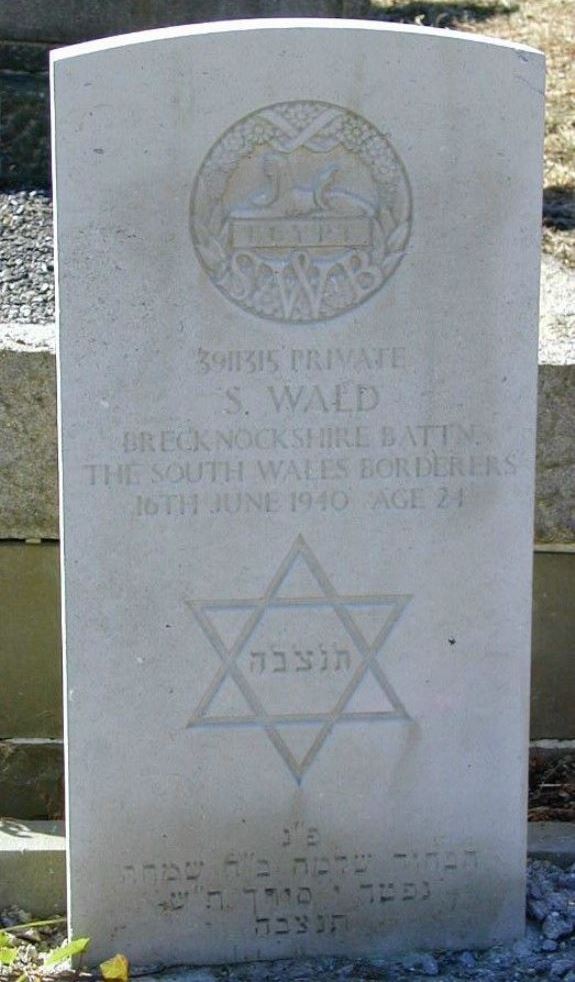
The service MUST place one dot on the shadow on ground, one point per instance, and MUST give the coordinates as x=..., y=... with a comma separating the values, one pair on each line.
x=11, y=826
x=559, y=207
x=436, y=14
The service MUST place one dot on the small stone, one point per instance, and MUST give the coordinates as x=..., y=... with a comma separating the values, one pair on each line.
x=12, y=916
x=540, y=966
x=537, y=909
x=345, y=971
x=549, y=945
x=559, y=968
x=523, y=949
x=426, y=964
x=556, y=926
x=500, y=958
x=467, y=959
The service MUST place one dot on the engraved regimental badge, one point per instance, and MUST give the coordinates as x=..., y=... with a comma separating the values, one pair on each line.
x=300, y=212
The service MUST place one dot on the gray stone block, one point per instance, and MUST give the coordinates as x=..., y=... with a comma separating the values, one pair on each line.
x=31, y=779
x=555, y=487
x=30, y=643
x=33, y=867
x=28, y=440
x=553, y=647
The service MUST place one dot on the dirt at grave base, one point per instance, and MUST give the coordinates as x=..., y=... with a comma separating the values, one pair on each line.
x=551, y=786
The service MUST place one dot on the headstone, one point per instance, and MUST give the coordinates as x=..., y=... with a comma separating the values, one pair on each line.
x=298, y=268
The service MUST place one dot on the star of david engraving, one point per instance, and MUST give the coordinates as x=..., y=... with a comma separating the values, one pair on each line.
x=334, y=681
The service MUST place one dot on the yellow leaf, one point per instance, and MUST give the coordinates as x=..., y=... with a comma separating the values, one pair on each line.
x=116, y=969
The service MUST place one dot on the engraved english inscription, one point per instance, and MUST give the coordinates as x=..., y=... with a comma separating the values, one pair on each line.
x=301, y=211
x=327, y=643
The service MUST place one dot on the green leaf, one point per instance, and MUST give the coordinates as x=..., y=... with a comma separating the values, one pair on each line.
x=76, y=947
x=8, y=955
x=5, y=940
x=18, y=928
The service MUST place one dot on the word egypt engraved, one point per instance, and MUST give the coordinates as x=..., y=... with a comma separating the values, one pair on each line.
x=328, y=643
x=301, y=211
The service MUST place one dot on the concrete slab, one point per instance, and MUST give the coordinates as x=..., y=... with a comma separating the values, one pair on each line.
x=33, y=866
x=553, y=841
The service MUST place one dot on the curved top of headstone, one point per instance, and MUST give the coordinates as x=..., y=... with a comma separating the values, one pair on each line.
x=301, y=205
x=283, y=24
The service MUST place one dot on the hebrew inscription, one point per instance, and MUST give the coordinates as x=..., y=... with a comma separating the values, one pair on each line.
x=304, y=884
x=301, y=211
x=328, y=643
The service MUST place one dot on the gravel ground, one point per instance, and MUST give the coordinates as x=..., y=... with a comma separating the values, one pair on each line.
x=27, y=277
x=546, y=952
x=26, y=258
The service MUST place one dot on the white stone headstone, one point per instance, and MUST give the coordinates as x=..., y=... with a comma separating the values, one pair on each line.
x=298, y=270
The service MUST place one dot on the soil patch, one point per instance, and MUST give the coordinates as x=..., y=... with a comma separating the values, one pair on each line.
x=551, y=786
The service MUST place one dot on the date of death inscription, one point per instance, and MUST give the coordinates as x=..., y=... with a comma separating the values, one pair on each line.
x=303, y=885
